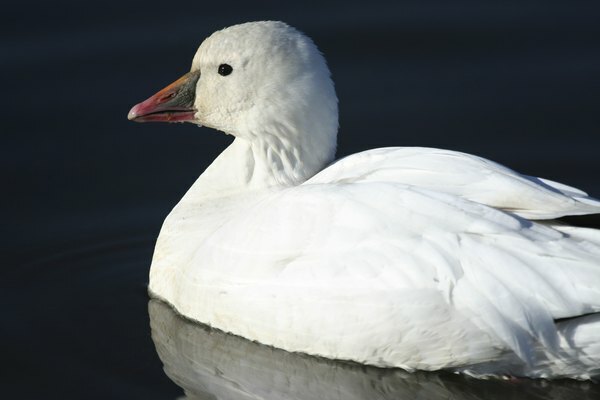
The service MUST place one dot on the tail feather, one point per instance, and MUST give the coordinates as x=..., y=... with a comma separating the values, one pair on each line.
x=580, y=339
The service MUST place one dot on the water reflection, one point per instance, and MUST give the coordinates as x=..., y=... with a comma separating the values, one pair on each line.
x=209, y=364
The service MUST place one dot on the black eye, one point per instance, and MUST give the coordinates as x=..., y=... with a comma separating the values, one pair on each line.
x=225, y=69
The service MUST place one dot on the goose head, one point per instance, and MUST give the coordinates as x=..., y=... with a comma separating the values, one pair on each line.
x=266, y=84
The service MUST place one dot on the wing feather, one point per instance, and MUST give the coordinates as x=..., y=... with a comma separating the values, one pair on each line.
x=470, y=177
x=443, y=281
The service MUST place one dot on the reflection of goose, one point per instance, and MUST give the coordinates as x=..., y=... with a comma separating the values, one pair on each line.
x=409, y=257
x=210, y=364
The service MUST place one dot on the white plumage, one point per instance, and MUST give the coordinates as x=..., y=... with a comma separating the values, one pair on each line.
x=398, y=257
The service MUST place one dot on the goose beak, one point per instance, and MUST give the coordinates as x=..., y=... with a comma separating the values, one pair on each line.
x=175, y=103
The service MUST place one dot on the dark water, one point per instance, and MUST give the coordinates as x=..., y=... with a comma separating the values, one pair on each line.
x=85, y=191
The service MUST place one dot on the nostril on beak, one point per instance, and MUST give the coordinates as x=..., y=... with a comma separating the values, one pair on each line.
x=167, y=97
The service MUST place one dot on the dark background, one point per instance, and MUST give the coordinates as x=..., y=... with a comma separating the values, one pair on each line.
x=85, y=191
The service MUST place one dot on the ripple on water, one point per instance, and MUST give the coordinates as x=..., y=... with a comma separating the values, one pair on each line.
x=77, y=325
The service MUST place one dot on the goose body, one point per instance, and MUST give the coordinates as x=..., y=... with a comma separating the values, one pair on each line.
x=416, y=258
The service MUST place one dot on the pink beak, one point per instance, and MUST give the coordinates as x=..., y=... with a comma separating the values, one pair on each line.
x=175, y=103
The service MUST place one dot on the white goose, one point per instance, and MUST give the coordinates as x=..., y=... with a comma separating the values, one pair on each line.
x=398, y=257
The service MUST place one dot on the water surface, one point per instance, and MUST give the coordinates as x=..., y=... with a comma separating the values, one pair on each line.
x=86, y=190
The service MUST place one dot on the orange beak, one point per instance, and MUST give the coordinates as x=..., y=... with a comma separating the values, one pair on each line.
x=175, y=103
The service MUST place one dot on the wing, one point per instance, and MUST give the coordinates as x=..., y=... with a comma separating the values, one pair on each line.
x=467, y=176
x=389, y=274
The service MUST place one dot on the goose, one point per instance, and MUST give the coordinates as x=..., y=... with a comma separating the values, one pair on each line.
x=400, y=257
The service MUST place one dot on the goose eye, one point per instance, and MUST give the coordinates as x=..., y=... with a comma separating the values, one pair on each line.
x=225, y=69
